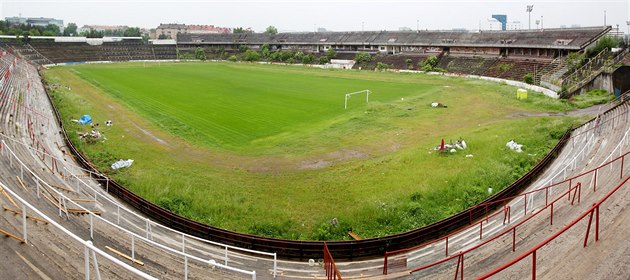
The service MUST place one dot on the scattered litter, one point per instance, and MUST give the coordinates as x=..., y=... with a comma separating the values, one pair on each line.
x=469, y=155
x=108, y=123
x=91, y=136
x=122, y=163
x=451, y=147
x=463, y=143
x=85, y=119
x=514, y=146
x=438, y=104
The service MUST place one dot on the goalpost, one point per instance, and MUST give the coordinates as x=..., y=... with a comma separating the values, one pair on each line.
x=367, y=97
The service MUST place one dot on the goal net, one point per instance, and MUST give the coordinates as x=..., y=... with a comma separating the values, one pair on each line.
x=347, y=96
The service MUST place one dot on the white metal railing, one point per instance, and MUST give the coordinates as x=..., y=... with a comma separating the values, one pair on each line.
x=148, y=223
x=64, y=201
x=89, y=247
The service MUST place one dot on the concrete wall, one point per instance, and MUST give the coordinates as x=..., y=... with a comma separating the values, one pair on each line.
x=603, y=81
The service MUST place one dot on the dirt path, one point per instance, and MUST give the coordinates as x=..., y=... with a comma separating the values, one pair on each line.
x=590, y=111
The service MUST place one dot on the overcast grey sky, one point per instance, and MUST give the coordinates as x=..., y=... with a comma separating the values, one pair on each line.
x=306, y=15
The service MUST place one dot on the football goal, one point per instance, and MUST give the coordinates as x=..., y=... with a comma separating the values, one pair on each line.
x=367, y=97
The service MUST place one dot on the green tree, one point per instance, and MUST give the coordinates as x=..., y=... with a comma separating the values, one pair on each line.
x=25, y=38
x=200, y=54
x=70, y=30
x=33, y=32
x=362, y=57
x=606, y=42
x=265, y=51
x=271, y=30
x=52, y=28
x=162, y=37
x=242, y=30
x=92, y=33
x=48, y=33
x=331, y=53
x=132, y=32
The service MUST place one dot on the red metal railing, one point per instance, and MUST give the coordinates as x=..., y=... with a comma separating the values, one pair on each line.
x=329, y=265
x=593, y=210
x=574, y=192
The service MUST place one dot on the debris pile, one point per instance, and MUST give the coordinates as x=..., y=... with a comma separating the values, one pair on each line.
x=514, y=146
x=451, y=147
x=122, y=163
x=438, y=105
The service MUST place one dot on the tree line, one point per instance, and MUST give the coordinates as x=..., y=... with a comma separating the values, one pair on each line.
x=27, y=30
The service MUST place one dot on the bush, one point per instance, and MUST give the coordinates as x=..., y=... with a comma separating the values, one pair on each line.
x=242, y=48
x=308, y=59
x=362, y=57
x=251, y=56
x=232, y=58
x=298, y=56
x=428, y=64
x=504, y=67
x=330, y=230
x=285, y=56
x=200, y=54
x=528, y=78
x=409, y=63
x=275, y=56
x=324, y=60
x=381, y=66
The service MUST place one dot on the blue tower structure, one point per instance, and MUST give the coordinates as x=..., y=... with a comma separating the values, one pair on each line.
x=502, y=19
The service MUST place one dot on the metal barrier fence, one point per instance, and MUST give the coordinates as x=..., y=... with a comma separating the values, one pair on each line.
x=541, y=201
x=89, y=249
x=132, y=221
x=573, y=194
x=593, y=210
x=332, y=273
x=146, y=236
x=587, y=135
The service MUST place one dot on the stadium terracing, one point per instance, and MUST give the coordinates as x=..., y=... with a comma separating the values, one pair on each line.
x=569, y=211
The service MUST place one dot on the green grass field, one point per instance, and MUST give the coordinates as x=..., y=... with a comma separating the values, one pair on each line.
x=270, y=150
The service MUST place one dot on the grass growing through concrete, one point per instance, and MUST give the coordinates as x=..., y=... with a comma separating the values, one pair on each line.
x=270, y=150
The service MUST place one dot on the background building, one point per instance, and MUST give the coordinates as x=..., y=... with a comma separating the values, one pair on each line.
x=40, y=21
x=101, y=28
x=170, y=30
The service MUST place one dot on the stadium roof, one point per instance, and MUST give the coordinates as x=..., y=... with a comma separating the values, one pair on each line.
x=566, y=38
